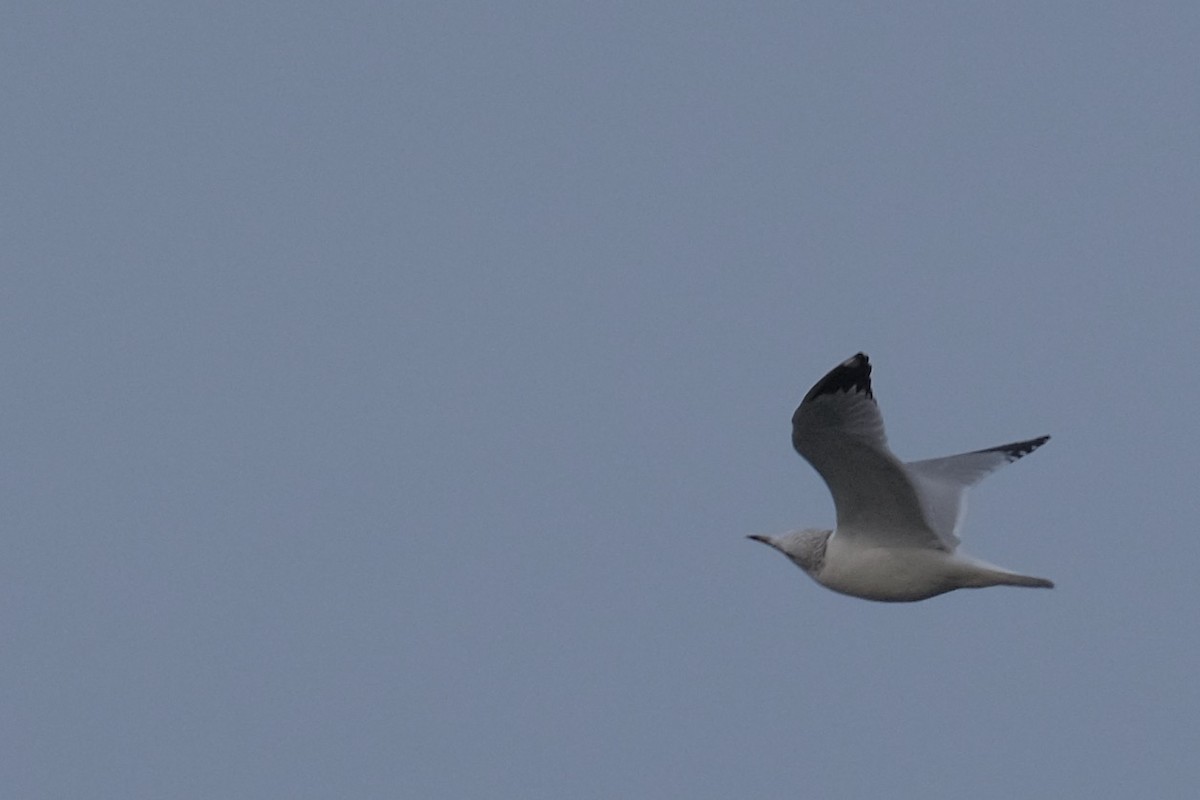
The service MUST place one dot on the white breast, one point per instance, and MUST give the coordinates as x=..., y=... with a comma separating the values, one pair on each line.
x=887, y=573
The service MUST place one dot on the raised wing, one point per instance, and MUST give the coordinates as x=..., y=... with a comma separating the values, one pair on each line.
x=942, y=483
x=839, y=430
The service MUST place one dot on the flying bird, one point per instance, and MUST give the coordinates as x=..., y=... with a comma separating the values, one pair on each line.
x=897, y=522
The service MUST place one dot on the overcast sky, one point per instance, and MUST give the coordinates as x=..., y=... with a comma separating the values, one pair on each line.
x=389, y=388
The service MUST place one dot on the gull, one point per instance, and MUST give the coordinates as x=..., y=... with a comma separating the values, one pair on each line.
x=897, y=522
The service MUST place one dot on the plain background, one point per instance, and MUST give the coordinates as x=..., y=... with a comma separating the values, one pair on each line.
x=388, y=388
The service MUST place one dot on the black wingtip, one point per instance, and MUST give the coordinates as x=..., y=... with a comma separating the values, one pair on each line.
x=1016, y=450
x=852, y=375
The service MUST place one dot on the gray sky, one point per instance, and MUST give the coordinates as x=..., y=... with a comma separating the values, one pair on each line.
x=389, y=389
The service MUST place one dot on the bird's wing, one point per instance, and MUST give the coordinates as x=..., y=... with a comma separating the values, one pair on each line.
x=942, y=483
x=839, y=430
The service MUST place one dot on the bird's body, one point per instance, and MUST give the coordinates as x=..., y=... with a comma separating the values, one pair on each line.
x=897, y=523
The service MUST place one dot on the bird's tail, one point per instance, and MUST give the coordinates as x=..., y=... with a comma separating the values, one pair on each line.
x=1013, y=579
x=981, y=574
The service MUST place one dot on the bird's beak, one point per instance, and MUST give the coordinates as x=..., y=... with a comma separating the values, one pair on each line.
x=758, y=538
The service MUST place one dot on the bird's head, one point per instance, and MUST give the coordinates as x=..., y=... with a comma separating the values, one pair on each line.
x=805, y=548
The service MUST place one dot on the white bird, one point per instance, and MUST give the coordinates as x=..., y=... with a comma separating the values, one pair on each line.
x=897, y=523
